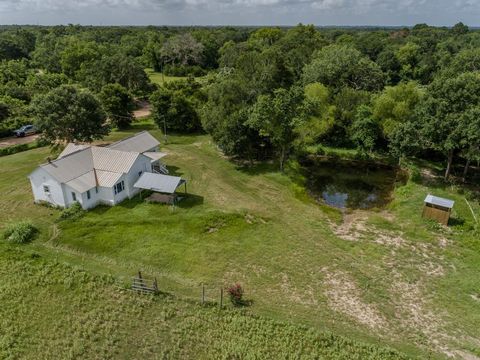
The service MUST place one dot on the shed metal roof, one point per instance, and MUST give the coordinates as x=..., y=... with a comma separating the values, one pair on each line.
x=435, y=200
x=141, y=142
x=158, y=182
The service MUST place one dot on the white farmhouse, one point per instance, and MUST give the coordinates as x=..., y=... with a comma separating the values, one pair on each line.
x=93, y=175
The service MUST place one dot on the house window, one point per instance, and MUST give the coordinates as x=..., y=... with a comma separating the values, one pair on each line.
x=74, y=196
x=88, y=194
x=119, y=187
x=46, y=189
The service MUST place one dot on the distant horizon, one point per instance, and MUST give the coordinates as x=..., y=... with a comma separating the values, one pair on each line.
x=239, y=25
x=325, y=13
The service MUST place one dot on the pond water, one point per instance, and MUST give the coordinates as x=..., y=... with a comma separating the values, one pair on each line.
x=346, y=184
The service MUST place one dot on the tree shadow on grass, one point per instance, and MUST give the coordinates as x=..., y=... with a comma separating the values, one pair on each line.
x=258, y=168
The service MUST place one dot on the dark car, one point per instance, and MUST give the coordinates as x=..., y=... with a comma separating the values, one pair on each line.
x=25, y=130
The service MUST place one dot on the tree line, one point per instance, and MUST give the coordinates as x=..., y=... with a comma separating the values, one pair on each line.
x=259, y=92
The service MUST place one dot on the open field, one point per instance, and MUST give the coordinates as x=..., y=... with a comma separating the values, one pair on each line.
x=65, y=313
x=385, y=277
x=159, y=78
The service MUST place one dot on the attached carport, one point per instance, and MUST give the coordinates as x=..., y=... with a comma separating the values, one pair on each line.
x=165, y=185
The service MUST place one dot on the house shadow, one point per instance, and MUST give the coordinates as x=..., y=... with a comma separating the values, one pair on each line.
x=131, y=203
x=174, y=170
x=100, y=209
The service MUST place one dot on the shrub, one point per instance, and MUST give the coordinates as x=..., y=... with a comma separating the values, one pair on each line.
x=74, y=212
x=20, y=232
x=10, y=150
x=236, y=294
x=415, y=175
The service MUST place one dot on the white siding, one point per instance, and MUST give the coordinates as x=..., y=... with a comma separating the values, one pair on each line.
x=92, y=202
x=61, y=194
x=105, y=195
x=38, y=179
x=141, y=165
x=119, y=197
x=69, y=197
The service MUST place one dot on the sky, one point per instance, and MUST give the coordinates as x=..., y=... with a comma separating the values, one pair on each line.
x=240, y=12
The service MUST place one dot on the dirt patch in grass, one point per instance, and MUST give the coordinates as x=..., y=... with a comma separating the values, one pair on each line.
x=354, y=228
x=413, y=313
x=344, y=296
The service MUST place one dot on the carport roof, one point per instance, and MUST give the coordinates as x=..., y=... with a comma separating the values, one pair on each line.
x=159, y=183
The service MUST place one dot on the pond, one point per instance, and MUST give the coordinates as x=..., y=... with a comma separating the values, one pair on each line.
x=347, y=184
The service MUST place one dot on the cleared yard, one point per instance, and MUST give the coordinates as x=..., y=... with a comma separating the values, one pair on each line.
x=385, y=277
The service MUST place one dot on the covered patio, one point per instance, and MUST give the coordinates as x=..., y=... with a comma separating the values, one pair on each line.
x=164, y=187
x=155, y=160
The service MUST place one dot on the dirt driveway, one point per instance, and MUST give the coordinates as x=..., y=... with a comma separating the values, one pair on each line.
x=144, y=111
x=6, y=142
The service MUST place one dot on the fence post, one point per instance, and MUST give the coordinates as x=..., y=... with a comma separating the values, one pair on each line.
x=139, y=275
x=155, y=285
x=203, y=294
x=221, y=297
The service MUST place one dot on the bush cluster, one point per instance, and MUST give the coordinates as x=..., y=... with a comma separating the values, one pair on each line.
x=236, y=294
x=74, y=212
x=10, y=150
x=20, y=232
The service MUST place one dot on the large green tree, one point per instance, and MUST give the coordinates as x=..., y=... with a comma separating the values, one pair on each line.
x=339, y=66
x=365, y=130
x=396, y=105
x=118, y=104
x=276, y=116
x=175, y=107
x=441, y=113
x=69, y=114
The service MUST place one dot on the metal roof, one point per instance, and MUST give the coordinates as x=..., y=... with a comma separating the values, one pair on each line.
x=113, y=160
x=435, y=200
x=70, y=166
x=84, y=182
x=90, y=167
x=84, y=166
x=140, y=142
x=107, y=178
x=154, y=155
x=160, y=183
x=71, y=148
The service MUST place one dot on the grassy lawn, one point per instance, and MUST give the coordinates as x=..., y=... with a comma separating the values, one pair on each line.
x=386, y=276
x=159, y=78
